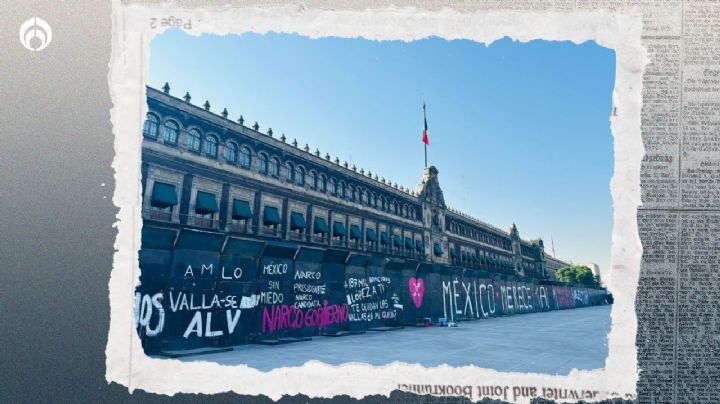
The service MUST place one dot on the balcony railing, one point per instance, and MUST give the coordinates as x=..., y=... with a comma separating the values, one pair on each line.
x=151, y=213
x=202, y=221
x=296, y=236
x=269, y=231
x=238, y=226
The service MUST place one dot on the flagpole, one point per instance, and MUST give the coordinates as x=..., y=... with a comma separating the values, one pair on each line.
x=425, y=133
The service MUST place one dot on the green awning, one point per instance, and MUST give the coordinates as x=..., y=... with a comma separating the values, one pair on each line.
x=370, y=235
x=205, y=203
x=163, y=195
x=241, y=210
x=419, y=246
x=321, y=226
x=355, y=232
x=339, y=229
x=437, y=249
x=464, y=255
x=408, y=243
x=297, y=221
x=397, y=242
x=271, y=216
x=473, y=257
x=453, y=254
x=384, y=240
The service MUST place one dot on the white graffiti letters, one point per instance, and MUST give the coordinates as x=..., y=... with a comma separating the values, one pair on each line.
x=236, y=273
x=145, y=306
x=275, y=269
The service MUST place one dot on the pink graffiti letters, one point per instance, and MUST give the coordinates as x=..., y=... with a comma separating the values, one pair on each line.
x=417, y=290
x=564, y=298
x=284, y=316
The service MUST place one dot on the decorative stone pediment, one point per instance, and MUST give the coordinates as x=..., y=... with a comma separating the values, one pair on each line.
x=429, y=189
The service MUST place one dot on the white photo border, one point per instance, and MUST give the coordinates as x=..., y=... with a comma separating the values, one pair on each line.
x=126, y=362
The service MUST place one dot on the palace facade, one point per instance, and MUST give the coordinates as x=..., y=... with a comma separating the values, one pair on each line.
x=203, y=171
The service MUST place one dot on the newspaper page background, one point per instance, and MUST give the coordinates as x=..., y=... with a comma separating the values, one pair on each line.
x=679, y=219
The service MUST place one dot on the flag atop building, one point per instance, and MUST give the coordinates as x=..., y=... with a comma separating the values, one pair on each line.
x=425, y=138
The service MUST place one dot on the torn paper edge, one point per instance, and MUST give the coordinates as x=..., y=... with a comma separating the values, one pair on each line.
x=129, y=70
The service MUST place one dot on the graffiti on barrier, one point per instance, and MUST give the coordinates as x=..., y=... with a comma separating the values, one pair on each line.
x=200, y=299
x=417, y=290
x=282, y=317
x=367, y=299
x=145, y=307
x=564, y=298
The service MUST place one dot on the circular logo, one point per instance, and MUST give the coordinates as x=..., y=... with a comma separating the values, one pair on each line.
x=35, y=34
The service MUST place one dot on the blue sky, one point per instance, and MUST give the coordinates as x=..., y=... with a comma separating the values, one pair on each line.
x=520, y=132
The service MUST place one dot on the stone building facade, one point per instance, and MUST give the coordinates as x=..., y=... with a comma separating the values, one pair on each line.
x=204, y=171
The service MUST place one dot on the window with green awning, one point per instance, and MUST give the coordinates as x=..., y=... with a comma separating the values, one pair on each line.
x=384, y=240
x=437, y=249
x=163, y=195
x=370, y=235
x=464, y=255
x=408, y=243
x=355, y=232
x=397, y=241
x=453, y=254
x=321, y=226
x=419, y=246
x=297, y=221
x=339, y=229
x=205, y=203
x=271, y=216
x=241, y=210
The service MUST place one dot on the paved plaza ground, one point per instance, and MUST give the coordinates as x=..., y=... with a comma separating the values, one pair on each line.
x=553, y=342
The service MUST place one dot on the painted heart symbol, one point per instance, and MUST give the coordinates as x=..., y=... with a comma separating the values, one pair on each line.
x=417, y=290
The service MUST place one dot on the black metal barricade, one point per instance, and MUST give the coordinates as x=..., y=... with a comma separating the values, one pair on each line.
x=155, y=261
x=335, y=312
x=192, y=308
x=309, y=291
x=276, y=315
x=238, y=289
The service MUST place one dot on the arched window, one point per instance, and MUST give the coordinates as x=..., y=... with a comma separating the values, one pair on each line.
x=150, y=128
x=300, y=175
x=382, y=202
x=231, y=152
x=263, y=163
x=170, y=133
x=313, y=180
x=290, y=172
x=194, y=140
x=275, y=167
x=375, y=201
x=211, y=146
x=245, y=157
x=333, y=187
x=323, y=183
x=342, y=190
